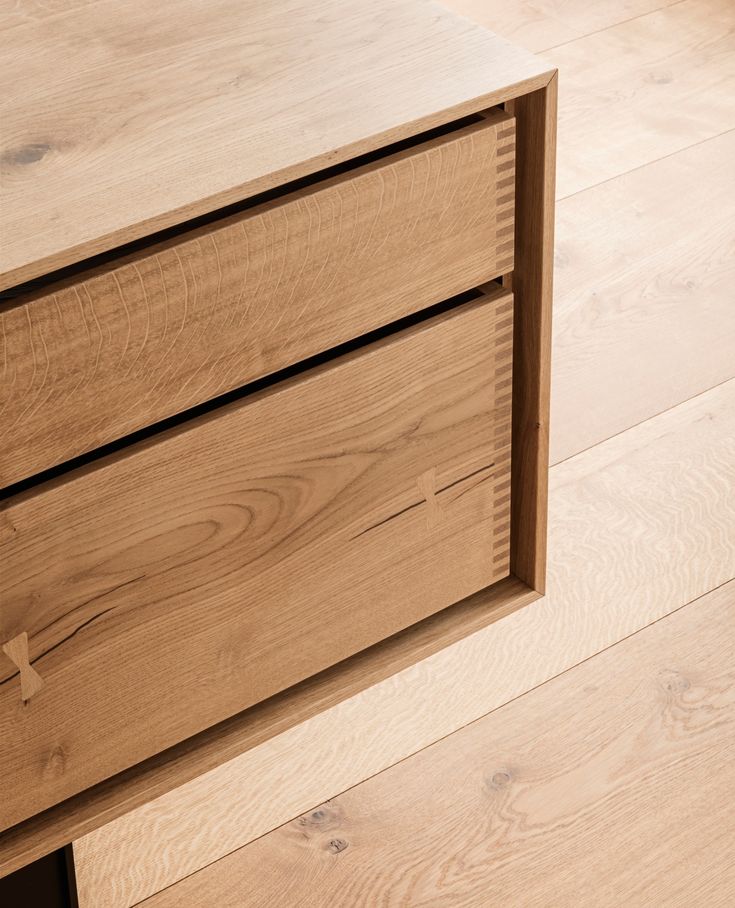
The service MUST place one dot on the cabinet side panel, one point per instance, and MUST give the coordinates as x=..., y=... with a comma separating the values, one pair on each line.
x=532, y=285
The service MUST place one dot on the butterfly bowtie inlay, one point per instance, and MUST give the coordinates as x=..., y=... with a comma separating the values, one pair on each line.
x=17, y=651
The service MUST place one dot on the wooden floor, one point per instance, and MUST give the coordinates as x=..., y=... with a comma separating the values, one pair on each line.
x=612, y=783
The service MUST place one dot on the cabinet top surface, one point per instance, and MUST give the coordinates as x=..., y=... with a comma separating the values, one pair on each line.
x=123, y=118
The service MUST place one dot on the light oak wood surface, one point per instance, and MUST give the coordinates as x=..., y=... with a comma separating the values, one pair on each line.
x=547, y=801
x=539, y=25
x=639, y=526
x=644, y=89
x=643, y=305
x=116, y=124
x=104, y=354
x=30, y=12
x=253, y=547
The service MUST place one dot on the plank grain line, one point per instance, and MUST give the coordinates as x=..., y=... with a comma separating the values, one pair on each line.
x=646, y=517
x=540, y=25
x=20, y=13
x=98, y=357
x=223, y=562
x=551, y=795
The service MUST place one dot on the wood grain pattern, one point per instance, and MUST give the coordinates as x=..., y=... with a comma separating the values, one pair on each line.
x=15, y=13
x=643, y=308
x=532, y=285
x=233, y=738
x=116, y=124
x=645, y=517
x=99, y=356
x=551, y=796
x=539, y=25
x=224, y=561
x=644, y=89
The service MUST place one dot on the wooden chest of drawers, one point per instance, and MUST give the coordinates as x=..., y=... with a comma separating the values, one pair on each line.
x=275, y=316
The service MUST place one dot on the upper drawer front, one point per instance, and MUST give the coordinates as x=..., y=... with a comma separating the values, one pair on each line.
x=160, y=591
x=179, y=323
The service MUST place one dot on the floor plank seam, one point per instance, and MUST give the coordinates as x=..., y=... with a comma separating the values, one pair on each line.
x=641, y=422
x=450, y=734
x=663, y=157
x=599, y=31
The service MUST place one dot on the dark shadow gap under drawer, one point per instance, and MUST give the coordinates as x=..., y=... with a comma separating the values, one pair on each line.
x=237, y=394
x=105, y=258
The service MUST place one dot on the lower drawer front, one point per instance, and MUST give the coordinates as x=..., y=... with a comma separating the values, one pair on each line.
x=166, y=589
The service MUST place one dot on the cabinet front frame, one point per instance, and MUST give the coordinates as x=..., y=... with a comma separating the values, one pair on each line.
x=531, y=281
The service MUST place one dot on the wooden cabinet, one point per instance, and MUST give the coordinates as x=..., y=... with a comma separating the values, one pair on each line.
x=275, y=321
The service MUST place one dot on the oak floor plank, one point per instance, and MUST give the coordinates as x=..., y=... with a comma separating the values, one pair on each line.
x=539, y=25
x=639, y=526
x=643, y=309
x=644, y=89
x=549, y=801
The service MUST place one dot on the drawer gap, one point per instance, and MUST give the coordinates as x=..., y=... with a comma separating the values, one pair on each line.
x=36, y=480
x=71, y=272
